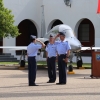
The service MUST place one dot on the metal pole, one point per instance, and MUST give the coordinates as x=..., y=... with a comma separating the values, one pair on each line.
x=43, y=29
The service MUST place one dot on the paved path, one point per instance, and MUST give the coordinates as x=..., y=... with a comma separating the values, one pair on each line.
x=14, y=86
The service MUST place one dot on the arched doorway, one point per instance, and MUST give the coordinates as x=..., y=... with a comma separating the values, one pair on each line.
x=26, y=28
x=86, y=34
x=1, y=44
x=56, y=22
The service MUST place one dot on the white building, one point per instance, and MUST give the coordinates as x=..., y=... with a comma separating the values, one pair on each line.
x=29, y=14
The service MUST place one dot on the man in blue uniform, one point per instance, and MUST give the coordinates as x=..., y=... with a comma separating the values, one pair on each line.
x=32, y=50
x=63, y=50
x=51, y=59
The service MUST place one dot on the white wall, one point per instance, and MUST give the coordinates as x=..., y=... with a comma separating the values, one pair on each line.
x=25, y=9
x=55, y=9
x=9, y=42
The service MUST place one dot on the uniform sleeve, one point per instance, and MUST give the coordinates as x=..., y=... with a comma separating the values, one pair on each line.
x=68, y=46
x=38, y=46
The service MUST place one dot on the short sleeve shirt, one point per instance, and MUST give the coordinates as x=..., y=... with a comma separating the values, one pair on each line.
x=32, y=49
x=63, y=47
x=51, y=49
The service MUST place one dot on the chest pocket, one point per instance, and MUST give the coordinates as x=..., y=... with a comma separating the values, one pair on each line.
x=53, y=47
x=64, y=45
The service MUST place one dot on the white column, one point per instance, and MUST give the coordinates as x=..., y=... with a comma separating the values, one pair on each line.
x=43, y=28
x=9, y=41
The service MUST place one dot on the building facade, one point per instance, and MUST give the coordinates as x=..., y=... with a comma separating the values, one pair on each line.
x=37, y=17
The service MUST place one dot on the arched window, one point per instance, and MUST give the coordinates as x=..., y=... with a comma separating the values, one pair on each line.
x=86, y=33
x=56, y=22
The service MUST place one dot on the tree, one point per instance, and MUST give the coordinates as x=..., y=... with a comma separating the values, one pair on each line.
x=7, y=27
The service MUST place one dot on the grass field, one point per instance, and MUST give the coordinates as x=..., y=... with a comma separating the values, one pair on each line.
x=43, y=63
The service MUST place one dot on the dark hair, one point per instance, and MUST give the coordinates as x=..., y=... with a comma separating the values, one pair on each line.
x=31, y=40
x=61, y=33
x=51, y=35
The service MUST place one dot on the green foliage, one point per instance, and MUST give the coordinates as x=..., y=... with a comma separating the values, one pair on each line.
x=7, y=27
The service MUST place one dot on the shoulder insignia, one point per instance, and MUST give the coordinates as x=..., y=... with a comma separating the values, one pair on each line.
x=66, y=41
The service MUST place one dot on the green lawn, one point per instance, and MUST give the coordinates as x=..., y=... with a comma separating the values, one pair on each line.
x=74, y=64
x=10, y=63
x=43, y=63
x=6, y=63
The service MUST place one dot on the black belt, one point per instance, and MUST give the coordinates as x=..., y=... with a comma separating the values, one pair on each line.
x=61, y=54
x=31, y=56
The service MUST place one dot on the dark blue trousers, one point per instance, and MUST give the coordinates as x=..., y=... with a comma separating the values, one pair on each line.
x=31, y=70
x=62, y=69
x=51, y=63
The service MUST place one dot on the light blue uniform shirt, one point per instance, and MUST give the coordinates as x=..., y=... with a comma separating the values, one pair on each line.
x=63, y=47
x=51, y=50
x=32, y=49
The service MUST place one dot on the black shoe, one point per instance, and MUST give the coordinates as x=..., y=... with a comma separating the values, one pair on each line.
x=33, y=85
x=60, y=83
x=63, y=83
x=51, y=82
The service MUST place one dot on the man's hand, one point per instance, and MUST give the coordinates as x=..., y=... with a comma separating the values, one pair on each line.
x=37, y=40
x=66, y=60
x=57, y=35
x=57, y=58
x=43, y=45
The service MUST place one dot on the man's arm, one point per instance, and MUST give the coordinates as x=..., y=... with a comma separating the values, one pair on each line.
x=43, y=45
x=56, y=37
x=46, y=54
x=68, y=49
x=68, y=54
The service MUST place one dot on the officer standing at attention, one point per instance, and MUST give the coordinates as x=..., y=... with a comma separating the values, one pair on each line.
x=51, y=59
x=32, y=50
x=63, y=50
